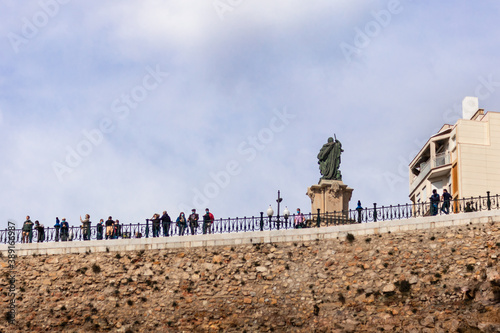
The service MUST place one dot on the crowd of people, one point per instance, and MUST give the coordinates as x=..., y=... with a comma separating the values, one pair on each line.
x=111, y=229
x=162, y=225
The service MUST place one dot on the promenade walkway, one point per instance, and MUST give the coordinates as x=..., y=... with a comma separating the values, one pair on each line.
x=253, y=237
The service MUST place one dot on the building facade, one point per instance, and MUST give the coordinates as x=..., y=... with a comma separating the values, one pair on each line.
x=463, y=158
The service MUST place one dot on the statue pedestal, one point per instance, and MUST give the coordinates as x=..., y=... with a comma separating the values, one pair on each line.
x=330, y=196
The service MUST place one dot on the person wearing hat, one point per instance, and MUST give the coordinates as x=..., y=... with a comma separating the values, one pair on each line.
x=193, y=221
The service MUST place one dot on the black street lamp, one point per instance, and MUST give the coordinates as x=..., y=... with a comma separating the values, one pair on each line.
x=270, y=212
x=279, y=200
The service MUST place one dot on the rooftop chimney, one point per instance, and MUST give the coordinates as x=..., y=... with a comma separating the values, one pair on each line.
x=469, y=107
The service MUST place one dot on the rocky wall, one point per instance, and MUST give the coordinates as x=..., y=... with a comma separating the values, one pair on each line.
x=439, y=280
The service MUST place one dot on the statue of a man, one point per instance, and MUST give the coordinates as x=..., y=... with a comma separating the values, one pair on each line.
x=329, y=160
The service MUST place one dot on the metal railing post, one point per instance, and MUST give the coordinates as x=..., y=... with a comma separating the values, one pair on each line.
x=374, y=212
x=488, y=201
x=261, y=221
x=318, y=222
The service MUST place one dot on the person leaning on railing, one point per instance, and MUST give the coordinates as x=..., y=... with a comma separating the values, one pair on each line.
x=109, y=227
x=156, y=224
x=117, y=229
x=446, y=197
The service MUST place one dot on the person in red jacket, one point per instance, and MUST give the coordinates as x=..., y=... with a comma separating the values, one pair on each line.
x=208, y=220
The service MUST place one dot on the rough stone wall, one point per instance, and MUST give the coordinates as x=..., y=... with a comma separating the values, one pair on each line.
x=440, y=280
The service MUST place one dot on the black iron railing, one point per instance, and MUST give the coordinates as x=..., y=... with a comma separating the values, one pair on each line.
x=255, y=223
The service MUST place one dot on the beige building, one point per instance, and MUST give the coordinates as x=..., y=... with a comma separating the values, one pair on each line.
x=463, y=158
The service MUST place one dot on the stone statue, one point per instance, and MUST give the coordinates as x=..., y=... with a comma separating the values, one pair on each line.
x=329, y=160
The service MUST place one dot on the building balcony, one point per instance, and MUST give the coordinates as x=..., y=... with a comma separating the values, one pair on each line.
x=440, y=160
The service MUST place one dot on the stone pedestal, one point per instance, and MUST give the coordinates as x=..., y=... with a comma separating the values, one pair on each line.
x=329, y=196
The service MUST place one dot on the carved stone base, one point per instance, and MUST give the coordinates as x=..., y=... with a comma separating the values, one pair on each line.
x=329, y=196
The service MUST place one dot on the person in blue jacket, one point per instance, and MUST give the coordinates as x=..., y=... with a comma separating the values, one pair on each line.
x=57, y=227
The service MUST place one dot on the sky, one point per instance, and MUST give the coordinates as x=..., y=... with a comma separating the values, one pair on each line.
x=129, y=108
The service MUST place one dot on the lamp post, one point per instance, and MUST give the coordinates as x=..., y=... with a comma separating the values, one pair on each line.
x=279, y=200
x=270, y=212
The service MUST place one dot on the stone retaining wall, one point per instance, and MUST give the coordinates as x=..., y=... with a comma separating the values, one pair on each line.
x=422, y=275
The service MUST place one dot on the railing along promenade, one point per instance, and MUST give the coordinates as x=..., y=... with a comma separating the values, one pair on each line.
x=258, y=223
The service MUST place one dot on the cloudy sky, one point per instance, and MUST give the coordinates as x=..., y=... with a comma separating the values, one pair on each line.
x=127, y=108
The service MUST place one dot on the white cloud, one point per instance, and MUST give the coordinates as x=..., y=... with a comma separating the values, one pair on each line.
x=225, y=79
